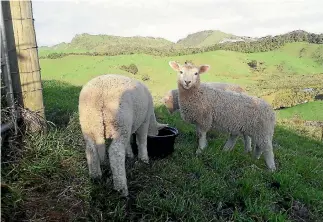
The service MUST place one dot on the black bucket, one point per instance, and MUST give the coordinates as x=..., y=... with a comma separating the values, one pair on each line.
x=158, y=146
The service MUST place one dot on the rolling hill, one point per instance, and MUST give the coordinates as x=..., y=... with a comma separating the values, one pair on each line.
x=285, y=65
x=100, y=43
x=196, y=43
x=209, y=38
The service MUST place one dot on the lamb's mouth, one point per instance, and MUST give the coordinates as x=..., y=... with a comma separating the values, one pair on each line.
x=187, y=86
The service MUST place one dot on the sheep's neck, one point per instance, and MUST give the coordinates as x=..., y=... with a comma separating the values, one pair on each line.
x=190, y=98
x=187, y=93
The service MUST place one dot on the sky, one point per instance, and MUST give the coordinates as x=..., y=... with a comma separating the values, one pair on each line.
x=59, y=21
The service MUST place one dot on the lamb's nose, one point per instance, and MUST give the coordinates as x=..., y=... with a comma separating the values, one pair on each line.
x=187, y=82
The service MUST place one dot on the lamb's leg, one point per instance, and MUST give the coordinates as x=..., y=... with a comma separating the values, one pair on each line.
x=93, y=159
x=230, y=142
x=197, y=131
x=247, y=143
x=267, y=148
x=101, y=151
x=257, y=152
x=129, y=152
x=269, y=158
x=202, y=142
x=141, y=136
x=117, y=156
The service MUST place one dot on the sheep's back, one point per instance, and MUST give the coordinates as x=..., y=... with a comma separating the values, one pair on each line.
x=235, y=112
x=122, y=101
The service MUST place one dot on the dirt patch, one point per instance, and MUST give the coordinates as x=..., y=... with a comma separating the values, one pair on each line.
x=296, y=210
x=225, y=210
x=299, y=212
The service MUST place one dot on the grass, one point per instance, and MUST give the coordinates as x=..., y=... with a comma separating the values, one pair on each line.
x=45, y=177
x=226, y=66
x=306, y=111
x=51, y=180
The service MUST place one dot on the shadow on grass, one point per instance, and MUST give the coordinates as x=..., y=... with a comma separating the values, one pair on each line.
x=61, y=101
x=216, y=186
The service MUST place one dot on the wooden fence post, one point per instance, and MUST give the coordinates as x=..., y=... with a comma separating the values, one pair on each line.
x=23, y=56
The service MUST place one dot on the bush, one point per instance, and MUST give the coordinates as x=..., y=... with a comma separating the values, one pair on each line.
x=132, y=68
x=145, y=77
x=253, y=64
x=55, y=55
x=290, y=97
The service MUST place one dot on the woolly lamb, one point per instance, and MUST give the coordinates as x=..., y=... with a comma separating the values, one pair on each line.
x=170, y=100
x=114, y=106
x=224, y=111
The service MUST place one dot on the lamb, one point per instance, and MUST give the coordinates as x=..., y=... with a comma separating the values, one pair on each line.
x=170, y=100
x=114, y=107
x=226, y=111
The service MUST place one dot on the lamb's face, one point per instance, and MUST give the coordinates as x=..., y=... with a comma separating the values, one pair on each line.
x=188, y=74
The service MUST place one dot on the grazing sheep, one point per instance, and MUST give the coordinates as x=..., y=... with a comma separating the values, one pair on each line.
x=114, y=106
x=170, y=100
x=224, y=111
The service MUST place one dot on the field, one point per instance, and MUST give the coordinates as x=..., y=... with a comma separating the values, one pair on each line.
x=307, y=111
x=51, y=181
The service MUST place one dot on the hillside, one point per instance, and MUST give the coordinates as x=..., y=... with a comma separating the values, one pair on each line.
x=206, y=41
x=100, y=43
x=285, y=65
x=208, y=38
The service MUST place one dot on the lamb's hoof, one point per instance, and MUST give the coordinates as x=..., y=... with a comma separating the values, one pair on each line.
x=123, y=192
x=141, y=162
x=146, y=161
x=272, y=169
x=198, y=152
x=130, y=155
x=95, y=180
x=96, y=176
x=227, y=148
x=257, y=157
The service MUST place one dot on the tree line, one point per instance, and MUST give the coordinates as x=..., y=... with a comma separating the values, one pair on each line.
x=263, y=44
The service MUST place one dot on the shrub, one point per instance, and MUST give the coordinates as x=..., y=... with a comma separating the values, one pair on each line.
x=290, y=97
x=145, y=77
x=55, y=55
x=253, y=64
x=132, y=68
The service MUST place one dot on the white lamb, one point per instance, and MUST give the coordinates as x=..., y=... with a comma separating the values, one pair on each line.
x=114, y=106
x=170, y=100
x=224, y=111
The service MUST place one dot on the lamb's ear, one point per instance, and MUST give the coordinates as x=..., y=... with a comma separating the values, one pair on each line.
x=161, y=125
x=204, y=68
x=174, y=65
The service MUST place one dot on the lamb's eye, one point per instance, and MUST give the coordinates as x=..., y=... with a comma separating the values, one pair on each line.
x=196, y=73
x=180, y=72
